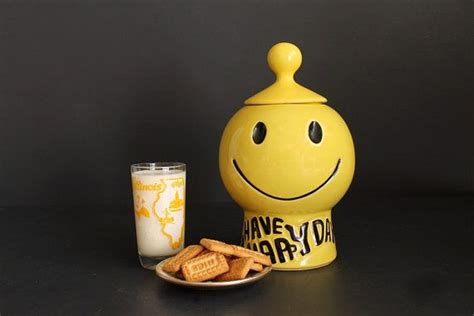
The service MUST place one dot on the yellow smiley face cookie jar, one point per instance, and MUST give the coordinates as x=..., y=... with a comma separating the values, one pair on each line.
x=287, y=158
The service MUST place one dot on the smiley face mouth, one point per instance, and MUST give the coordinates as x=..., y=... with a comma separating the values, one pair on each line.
x=336, y=168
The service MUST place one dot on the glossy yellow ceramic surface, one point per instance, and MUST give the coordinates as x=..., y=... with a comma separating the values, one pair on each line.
x=287, y=183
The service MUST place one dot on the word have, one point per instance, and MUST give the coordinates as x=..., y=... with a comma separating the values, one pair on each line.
x=267, y=235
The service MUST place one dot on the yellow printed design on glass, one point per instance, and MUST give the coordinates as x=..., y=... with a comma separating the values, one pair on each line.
x=159, y=202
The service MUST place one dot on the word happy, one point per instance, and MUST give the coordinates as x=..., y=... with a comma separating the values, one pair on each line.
x=267, y=235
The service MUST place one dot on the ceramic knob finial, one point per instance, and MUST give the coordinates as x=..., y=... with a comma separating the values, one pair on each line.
x=284, y=60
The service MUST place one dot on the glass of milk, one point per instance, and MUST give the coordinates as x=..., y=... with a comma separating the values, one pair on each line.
x=159, y=194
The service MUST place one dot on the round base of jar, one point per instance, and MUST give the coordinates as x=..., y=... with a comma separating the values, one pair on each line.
x=294, y=241
x=304, y=268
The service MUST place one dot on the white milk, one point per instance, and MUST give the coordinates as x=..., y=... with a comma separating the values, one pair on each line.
x=159, y=211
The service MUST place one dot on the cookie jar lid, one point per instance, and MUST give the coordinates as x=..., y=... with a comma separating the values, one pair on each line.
x=284, y=60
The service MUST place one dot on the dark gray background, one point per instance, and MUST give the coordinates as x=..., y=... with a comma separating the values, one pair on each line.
x=88, y=87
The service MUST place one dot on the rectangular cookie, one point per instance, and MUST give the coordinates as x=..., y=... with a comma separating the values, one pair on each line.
x=174, y=264
x=256, y=267
x=237, y=271
x=257, y=256
x=205, y=251
x=205, y=267
x=217, y=246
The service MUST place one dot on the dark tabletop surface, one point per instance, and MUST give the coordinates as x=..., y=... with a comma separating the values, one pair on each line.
x=396, y=256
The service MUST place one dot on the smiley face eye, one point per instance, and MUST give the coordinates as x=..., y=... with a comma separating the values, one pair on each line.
x=259, y=133
x=315, y=132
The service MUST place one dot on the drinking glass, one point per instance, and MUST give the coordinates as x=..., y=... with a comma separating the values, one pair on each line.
x=159, y=194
